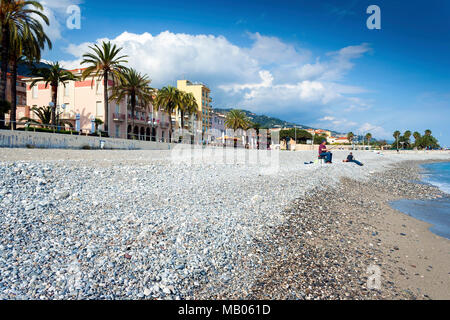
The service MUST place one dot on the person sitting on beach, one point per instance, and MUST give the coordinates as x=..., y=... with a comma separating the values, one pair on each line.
x=324, y=153
x=350, y=158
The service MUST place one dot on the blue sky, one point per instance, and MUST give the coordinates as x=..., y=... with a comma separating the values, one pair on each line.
x=311, y=62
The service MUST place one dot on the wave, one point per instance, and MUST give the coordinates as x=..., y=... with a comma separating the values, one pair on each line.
x=438, y=174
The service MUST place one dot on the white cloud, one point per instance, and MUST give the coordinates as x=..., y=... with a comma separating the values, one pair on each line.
x=269, y=75
x=375, y=130
x=327, y=118
x=343, y=124
x=55, y=10
x=167, y=57
x=271, y=50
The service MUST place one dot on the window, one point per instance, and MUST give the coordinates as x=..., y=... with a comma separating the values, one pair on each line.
x=117, y=108
x=66, y=90
x=97, y=88
x=117, y=131
x=34, y=92
x=99, y=109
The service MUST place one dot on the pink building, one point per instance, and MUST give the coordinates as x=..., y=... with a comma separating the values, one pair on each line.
x=21, y=107
x=80, y=102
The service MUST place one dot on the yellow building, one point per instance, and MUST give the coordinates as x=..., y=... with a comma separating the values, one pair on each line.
x=202, y=95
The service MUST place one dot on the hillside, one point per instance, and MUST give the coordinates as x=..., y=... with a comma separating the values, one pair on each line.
x=269, y=122
x=265, y=121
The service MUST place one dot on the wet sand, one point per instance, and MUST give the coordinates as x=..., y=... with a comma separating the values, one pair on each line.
x=334, y=235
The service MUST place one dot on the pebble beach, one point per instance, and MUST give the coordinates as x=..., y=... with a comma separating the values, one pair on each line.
x=109, y=224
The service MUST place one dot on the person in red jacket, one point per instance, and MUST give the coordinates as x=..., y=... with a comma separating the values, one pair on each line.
x=324, y=153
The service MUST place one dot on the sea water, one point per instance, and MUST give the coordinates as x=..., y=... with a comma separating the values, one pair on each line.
x=437, y=211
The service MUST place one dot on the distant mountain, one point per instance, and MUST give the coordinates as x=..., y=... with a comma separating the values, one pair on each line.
x=265, y=121
x=25, y=69
x=270, y=122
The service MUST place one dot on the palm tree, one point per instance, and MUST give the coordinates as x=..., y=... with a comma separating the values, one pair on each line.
x=53, y=76
x=44, y=114
x=350, y=136
x=368, y=137
x=407, y=134
x=236, y=119
x=169, y=99
x=257, y=127
x=416, y=135
x=25, y=48
x=189, y=106
x=17, y=18
x=136, y=87
x=428, y=132
x=396, y=136
x=97, y=122
x=104, y=62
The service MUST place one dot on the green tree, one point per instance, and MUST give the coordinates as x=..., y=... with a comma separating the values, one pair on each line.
x=44, y=115
x=427, y=141
x=257, y=127
x=300, y=135
x=25, y=48
x=407, y=134
x=188, y=106
x=236, y=119
x=53, y=76
x=104, y=62
x=368, y=137
x=136, y=87
x=319, y=138
x=416, y=135
x=19, y=20
x=350, y=136
x=169, y=99
x=406, y=139
x=97, y=122
x=396, y=136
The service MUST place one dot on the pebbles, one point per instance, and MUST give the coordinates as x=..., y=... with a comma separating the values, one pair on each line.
x=146, y=228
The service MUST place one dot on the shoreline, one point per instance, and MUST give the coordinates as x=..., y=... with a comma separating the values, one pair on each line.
x=332, y=263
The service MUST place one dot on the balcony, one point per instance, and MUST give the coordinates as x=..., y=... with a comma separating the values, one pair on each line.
x=118, y=117
x=139, y=118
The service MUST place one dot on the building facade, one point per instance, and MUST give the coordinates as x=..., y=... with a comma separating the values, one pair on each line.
x=202, y=95
x=81, y=102
x=319, y=132
x=21, y=101
x=217, y=130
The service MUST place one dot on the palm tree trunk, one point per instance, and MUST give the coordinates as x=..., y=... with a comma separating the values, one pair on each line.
x=12, y=117
x=170, y=126
x=105, y=97
x=54, y=99
x=182, y=123
x=4, y=69
x=133, y=107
